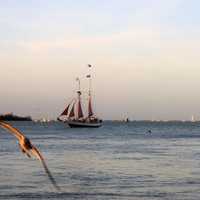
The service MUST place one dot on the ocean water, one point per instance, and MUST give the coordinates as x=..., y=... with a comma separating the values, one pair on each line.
x=116, y=161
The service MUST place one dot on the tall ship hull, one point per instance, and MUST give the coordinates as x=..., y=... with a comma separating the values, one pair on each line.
x=73, y=114
x=77, y=124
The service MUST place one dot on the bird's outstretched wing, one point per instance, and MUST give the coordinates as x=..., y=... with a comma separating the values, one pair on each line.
x=28, y=147
x=36, y=152
x=12, y=130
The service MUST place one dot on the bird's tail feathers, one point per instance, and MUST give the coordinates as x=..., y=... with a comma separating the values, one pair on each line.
x=39, y=156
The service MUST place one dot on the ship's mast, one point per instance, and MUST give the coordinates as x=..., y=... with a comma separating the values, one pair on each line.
x=79, y=84
x=90, y=112
x=90, y=79
x=80, y=112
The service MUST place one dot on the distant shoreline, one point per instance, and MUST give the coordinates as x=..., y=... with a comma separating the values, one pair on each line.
x=11, y=117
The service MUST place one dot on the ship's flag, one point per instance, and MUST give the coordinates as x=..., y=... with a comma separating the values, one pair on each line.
x=89, y=65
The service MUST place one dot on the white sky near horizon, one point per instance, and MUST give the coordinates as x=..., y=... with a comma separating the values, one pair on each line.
x=144, y=56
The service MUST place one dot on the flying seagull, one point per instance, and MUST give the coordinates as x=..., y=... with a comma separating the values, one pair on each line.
x=28, y=149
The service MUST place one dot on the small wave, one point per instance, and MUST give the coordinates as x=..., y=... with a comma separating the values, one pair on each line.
x=86, y=195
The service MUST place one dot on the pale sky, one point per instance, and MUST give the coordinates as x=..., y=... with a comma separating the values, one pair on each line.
x=145, y=56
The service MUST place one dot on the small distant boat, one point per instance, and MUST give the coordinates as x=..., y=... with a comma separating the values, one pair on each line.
x=73, y=113
x=193, y=119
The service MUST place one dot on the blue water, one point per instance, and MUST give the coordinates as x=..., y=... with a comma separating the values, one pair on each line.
x=116, y=161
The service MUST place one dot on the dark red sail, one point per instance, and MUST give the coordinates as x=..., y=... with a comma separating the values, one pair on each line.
x=90, y=112
x=65, y=112
x=80, y=112
x=72, y=113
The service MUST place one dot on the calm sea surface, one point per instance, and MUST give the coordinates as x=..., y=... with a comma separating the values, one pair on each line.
x=116, y=161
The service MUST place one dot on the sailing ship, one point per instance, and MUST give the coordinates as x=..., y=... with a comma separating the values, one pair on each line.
x=73, y=113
